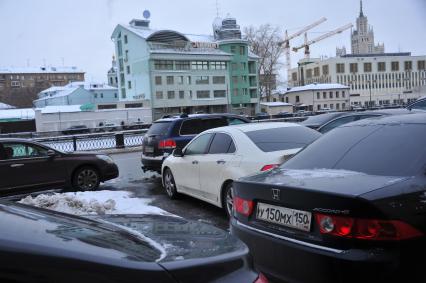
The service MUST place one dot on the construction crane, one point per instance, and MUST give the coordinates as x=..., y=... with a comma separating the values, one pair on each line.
x=324, y=36
x=287, y=38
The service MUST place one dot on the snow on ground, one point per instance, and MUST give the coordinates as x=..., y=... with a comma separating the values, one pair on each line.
x=99, y=202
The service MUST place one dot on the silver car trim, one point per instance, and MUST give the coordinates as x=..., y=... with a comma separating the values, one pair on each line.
x=290, y=239
x=157, y=158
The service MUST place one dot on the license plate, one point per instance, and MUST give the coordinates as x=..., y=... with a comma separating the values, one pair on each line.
x=293, y=218
x=149, y=149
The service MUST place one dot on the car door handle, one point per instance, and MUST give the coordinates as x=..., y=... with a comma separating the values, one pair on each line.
x=221, y=162
x=16, y=165
x=195, y=162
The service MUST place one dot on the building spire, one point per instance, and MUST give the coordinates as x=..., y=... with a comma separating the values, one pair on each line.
x=361, y=13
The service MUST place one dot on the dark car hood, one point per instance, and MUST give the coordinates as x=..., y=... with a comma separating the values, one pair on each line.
x=325, y=180
x=182, y=239
x=117, y=240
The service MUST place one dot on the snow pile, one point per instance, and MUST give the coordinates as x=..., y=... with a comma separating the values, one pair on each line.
x=100, y=202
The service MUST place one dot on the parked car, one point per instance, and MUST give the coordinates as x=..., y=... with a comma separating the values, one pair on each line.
x=30, y=166
x=110, y=127
x=207, y=167
x=283, y=114
x=418, y=105
x=303, y=113
x=166, y=134
x=350, y=207
x=41, y=245
x=73, y=130
x=314, y=122
x=355, y=116
x=261, y=116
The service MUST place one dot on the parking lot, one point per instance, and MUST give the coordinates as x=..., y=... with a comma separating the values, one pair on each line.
x=148, y=185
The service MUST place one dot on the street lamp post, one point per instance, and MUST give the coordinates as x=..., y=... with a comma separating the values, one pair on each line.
x=369, y=87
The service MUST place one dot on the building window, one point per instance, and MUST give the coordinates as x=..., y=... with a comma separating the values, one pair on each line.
x=340, y=68
x=242, y=50
x=107, y=106
x=395, y=66
x=128, y=69
x=202, y=80
x=234, y=66
x=170, y=80
x=408, y=65
x=294, y=76
x=126, y=56
x=337, y=94
x=309, y=73
x=343, y=105
x=115, y=95
x=325, y=105
x=343, y=95
x=353, y=67
x=243, y=66
x=188, y=80
x=182, y=65
x=235, y=92
x=15, y=84
x=125, y=39
x=180, y=80
x=163, y=65
x=102, y=95
x=233, y=49
x=325, y=70
x=158, y=80
x=331, y=106
x=181, y=94
x=367, y=67
x=129, y=84
x=219, y=93
x=324, y=95
x=96, y=95
x=217, y=65
x=421, y=65
x=318, y=95
x=330, y=94
x=381, y=66
x=133, y=105
x=235, y=79
x=123, y=93
x=171, y=94
x=218, y=80
x=200, y=65
x=159, y=94
x=297, y=99
x=203, y=94
x=316, y=72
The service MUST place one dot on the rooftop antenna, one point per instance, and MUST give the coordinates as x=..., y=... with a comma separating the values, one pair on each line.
x=146, y=14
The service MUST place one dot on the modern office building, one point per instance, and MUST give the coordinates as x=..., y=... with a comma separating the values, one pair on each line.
x=174, y=72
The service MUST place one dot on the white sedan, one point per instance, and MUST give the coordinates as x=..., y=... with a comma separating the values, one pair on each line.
x=208, y=165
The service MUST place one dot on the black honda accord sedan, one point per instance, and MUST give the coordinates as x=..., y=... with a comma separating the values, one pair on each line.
x=27, y=166
x=350, y=207
x=39, y=245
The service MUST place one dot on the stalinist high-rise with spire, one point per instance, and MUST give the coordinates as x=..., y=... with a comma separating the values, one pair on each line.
x=362, y=38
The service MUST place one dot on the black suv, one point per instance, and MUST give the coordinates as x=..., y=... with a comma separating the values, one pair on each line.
x=167, y=133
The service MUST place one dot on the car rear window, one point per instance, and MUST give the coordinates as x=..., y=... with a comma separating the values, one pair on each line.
x=284, y=138
x=320, y=119
x=386, y=150
x=159, y=128
x=196, y=126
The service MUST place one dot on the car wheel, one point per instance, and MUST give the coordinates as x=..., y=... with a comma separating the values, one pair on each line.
x=86, y=179
x=227, y=200
x=169, y=184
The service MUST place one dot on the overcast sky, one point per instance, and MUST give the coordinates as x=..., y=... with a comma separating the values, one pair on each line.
x=77, y=32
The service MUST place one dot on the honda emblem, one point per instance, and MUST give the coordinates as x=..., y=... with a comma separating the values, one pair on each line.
x=275, y=194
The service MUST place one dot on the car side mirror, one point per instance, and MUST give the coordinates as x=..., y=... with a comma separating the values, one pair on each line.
x=177, y=152
x=51, y=153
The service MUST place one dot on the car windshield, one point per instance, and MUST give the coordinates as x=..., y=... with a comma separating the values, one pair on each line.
x=374, y=149
x=320, y=119
x=159, y=128
x=284, y=138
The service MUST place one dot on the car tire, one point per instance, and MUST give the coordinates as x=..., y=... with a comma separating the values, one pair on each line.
x=170, y=184
x=86, y=178
x=227, y=199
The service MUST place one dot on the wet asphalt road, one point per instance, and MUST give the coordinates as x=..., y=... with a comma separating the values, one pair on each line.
x=148, y=185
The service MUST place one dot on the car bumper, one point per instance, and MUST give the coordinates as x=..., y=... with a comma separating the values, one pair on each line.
x=152, y=163
x=288, y=260
x=110, y=172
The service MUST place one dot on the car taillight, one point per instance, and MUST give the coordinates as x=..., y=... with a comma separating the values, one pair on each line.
x=243, y=206
x=366, y=229
x=269, y=167
x=167, y=144
x=261, y=279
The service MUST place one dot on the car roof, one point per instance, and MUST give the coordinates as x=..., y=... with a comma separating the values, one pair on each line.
x=253, y=127
x=412, y=118
x=180, y=117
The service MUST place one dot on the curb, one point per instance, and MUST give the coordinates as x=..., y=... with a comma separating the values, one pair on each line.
x=120, y=150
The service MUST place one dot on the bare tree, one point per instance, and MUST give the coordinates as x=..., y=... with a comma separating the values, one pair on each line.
x=264, y=42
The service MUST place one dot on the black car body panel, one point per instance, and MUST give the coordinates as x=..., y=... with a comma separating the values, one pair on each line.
x=181, y=130
x=57, y=247
x=355, y=179
x=314, y=122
